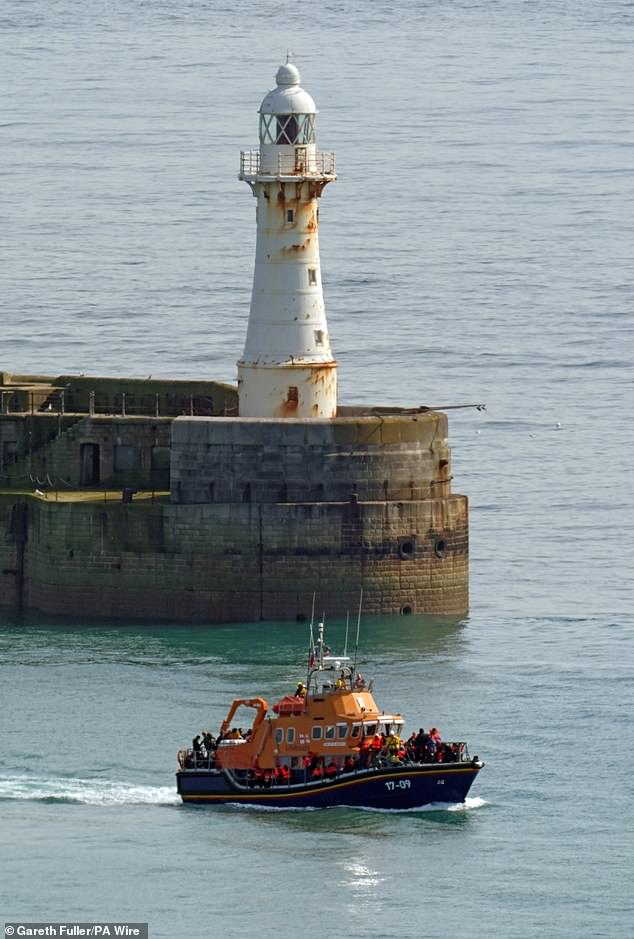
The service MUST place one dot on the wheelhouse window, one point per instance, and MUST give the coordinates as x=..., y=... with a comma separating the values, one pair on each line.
x=330, y=732
x=342, y=731
x=356, y=730
x=287, y=128
x=279, y=735
x=290, y=735
x=316, y=733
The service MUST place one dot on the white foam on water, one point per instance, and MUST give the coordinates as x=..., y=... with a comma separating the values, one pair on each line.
x=84, y=791
x=468, y=805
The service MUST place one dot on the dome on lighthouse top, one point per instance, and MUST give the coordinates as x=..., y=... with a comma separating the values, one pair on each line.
x=287, y=74
x=287, y=97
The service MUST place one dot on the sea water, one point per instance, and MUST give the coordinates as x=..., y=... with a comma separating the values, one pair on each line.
x=476, y=248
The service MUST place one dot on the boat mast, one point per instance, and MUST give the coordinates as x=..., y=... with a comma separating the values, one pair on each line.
x=356, y=647
x=311, y=647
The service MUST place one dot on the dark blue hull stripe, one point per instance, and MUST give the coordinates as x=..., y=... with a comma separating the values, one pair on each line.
x=390, y=789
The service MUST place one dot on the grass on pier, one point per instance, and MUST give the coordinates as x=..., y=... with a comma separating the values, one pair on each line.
x=87, y=495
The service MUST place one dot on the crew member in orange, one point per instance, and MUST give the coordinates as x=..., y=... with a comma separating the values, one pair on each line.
x=318, y=769
x=365, y=751
x=376, y=745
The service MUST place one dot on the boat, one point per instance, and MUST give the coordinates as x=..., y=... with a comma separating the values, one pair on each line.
x=328, y=744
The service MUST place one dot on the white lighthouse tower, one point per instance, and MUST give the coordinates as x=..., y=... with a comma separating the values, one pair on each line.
x=287, y=368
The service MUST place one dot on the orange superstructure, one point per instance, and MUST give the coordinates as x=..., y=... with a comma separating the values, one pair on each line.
x=334, y=718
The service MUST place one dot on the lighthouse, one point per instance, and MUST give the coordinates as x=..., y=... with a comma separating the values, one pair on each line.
x=287, y=368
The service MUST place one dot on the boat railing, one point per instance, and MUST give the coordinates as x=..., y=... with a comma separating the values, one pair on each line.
x=196, y=759
x=250, y=779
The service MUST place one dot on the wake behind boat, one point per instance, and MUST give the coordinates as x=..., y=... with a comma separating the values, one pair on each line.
x=326, y=745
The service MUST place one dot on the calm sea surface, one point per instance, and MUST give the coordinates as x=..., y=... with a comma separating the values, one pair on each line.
x=477, y=247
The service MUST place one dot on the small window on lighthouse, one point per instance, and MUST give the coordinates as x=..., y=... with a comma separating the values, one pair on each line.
x=319, y=337
x=312, y=276
x=290, y=215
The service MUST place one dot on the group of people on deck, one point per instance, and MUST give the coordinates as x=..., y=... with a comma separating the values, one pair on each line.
x=422, y=747
x=375, y=750
x=204, y=745
x=379, y=749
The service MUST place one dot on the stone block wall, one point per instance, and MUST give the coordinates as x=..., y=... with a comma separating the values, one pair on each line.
x=263, y=513
x=386, y=458
x=239, y=562
x=12, y=524
x=132, y=451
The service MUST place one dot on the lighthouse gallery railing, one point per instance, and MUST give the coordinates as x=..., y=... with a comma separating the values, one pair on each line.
x=322, y=163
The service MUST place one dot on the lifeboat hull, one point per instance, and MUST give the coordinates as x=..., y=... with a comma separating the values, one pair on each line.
x=401, y=787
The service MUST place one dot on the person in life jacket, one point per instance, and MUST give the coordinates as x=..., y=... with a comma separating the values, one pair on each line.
x=393, y=745
x=376, y=746
x=331, y=770
x=282, y=775
x=318, y=769
x=365, y=751
x=309, y=762
x=348, y=764
x=300, y=691
x=420, y=745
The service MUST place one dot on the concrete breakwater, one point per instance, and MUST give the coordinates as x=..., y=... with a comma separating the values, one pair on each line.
x=253, y=515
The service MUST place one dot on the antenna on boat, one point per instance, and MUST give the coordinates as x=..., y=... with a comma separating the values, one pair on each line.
x=311, y=649
x=345, y=645
x=356, y=648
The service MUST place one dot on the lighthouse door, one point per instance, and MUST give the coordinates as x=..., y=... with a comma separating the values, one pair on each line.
x=300, y=159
